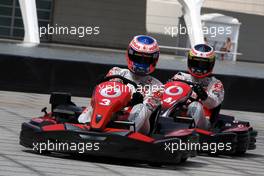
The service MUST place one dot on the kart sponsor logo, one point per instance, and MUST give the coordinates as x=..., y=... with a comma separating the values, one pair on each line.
x=110, y=92
x=174, y=90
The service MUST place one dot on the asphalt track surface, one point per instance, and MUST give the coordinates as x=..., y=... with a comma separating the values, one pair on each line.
x=16, y=107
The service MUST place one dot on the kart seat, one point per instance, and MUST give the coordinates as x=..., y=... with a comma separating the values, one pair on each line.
x=215, y=114
x=218, y=120
x=63, y=108
x=154, y=120
x=169, y=124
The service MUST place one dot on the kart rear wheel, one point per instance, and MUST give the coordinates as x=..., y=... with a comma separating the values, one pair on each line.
x=243, y=140
x=252, y=144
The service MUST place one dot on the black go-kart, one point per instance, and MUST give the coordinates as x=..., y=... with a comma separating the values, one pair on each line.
x=109, y=133
x=227, y=135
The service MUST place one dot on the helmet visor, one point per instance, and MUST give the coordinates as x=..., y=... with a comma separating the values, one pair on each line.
x=200, y=65
x=142, y=58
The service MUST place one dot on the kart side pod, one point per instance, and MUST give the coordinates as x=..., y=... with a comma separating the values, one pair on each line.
x=175, y=92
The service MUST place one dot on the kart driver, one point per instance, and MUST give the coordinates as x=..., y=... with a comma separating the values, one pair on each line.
x=210, y=91
x=142, y=56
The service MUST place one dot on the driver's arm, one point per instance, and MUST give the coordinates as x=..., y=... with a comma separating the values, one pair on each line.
x=115, y=71
x=154, y=98
x=152, y=102
x=215, y=92
x=178, y=76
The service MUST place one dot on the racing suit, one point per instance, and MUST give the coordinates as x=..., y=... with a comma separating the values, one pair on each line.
x=151, y=89
x=215, y=91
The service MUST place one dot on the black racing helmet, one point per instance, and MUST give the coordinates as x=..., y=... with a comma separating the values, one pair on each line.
x=201, y=60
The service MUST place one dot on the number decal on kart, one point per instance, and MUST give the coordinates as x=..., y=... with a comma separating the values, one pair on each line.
x=174, y=90
x=105, y=102
x=110, y=92
x=169, y=100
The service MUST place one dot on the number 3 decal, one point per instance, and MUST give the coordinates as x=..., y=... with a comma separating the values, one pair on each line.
x=105, y=102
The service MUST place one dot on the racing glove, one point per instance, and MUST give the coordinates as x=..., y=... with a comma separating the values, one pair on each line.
x=136, y=99
x=199, y=90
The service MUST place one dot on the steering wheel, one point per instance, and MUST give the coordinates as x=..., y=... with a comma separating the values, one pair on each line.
x=137, y=97
x=124, y=80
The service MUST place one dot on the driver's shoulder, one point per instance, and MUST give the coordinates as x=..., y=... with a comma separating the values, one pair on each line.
x=182, y=76
x=118, y=71
x=213, y=82
x=213, y=79
x=153, y=80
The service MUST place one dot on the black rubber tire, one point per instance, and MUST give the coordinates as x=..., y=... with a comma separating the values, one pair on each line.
x=243, y=141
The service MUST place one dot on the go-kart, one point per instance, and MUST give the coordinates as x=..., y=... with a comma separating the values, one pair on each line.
x=109, y=132
x=227, y=135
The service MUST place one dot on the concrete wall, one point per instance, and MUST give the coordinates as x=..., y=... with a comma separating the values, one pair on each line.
x=118, y=20
x=161, y=17
x=161, y=14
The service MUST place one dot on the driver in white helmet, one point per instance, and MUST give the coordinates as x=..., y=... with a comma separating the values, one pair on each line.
x=142, y=56
x=210, y=91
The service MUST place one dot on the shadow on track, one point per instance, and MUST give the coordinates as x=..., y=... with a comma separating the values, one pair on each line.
x=121, y=162
x=235, y=157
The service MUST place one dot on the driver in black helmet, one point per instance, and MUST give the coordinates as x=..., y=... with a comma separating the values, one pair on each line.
x=210, y=91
